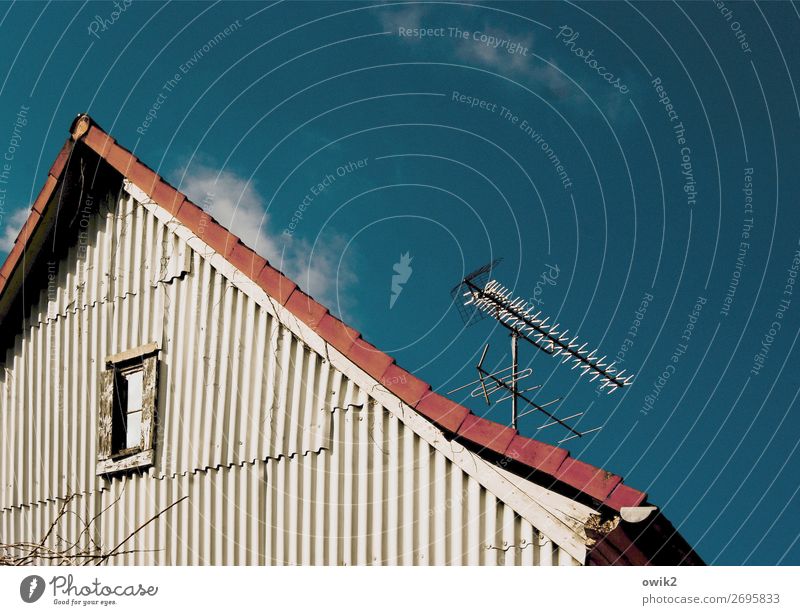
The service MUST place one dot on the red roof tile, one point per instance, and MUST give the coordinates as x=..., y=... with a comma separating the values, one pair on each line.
x=450, y=416
x=336, y=333
x=406, y=386
x=587, y=478
x=488, y=434
x=369, y=358
x=61, y=160
x=275, y=284
x=100, y=142
x=44, y=195
x=118, y=157
x=27, y=228
x=625, y=496
x=168, y=197
x=305, y=308
x=16, y=255
x=247, y=261
x=143, y=177
x=446, y=413
x=206, y=228
x=535, y=454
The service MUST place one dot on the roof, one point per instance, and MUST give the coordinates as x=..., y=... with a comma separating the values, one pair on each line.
x=550, y=466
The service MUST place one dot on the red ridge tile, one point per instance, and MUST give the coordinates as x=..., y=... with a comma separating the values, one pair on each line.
x=99, y=141
x=27, y=228
x=219, y=238
x=488, y=434
x=305, y=308
x=537, y=455
x=407, y=387
x=168, y=197
x=446, y=413
x=587, y=478
x=625, y=496
x=14, y=256
x=247, y=261
x=275, y=284
x=44, y=196
x=369, y=358
x=17, y=251
x=336, y=333
x=119, y=158
x=206, y=228
x=144, y=177
x=192, y=217
x=61, y=160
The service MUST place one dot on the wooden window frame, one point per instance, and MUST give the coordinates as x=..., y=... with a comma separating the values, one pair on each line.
x=109, y=460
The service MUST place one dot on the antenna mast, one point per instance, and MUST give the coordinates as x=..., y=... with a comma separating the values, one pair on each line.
x=514, y=367
x=480, y=297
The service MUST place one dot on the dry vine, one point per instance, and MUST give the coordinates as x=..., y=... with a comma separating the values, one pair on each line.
x=72, y=552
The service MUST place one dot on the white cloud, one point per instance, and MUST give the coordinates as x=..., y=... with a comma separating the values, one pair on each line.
x=237, y=205
x=11, y=228
x=554, y=80
x=497, y=57
x=392, y=19
x=547, y=75
x=518, y=65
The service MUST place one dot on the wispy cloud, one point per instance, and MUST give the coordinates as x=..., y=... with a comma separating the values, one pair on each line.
x=407, y=17
x=507, y=52
x=550, y=77
x=554, y=80
x=235, y=202
x=11, y=228
x=492, y=50
x=502, y=51
x=510, y=54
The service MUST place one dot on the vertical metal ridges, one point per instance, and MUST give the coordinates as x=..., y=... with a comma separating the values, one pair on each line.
x=241, y=430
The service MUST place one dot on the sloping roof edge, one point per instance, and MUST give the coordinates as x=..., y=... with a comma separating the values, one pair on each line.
x=489, y=437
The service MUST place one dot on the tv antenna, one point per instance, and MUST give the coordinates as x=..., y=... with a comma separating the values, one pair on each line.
x=480, y=296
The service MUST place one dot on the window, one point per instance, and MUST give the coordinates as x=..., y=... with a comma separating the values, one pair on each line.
x=126, y=419
x=128, y=410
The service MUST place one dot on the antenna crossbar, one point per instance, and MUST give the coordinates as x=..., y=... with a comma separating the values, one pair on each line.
x=490, y=382
x=535, y=406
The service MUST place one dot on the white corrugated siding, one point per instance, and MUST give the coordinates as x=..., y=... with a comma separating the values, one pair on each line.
x=298, y=510
x=236, y=386
x=255, y=428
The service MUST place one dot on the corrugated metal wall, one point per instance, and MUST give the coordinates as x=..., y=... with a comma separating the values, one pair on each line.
x=306, y=509
x=259, y=432
x=236, y=386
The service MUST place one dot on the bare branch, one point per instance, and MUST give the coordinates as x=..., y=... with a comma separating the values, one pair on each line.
x=70, y=552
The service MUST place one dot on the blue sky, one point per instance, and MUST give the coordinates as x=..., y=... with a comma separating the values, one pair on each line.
x=620, y=158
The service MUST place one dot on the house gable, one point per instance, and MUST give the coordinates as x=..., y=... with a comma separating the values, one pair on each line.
x=253, y=313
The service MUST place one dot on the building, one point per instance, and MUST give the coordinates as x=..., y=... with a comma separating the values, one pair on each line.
x=185, y=403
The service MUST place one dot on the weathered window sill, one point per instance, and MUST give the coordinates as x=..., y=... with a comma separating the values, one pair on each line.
x=137, y=461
